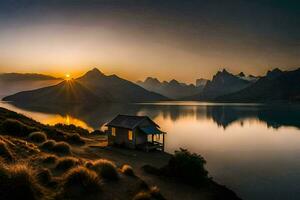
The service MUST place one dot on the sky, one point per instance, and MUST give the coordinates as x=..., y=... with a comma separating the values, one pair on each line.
x=181, y=39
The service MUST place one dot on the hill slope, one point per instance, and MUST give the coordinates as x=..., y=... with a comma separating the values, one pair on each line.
x=222, y=83
x=65, y=92
x=93, y=87
x=275, y=86
x=116, y=89
x=172, y=89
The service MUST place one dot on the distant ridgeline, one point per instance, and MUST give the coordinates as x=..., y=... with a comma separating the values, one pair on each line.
x=96, y=87
x=12, y=77
x=93, y=87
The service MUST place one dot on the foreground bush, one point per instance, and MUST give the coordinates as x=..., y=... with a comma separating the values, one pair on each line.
x=38, y=137
x=75, y=139
x=5, y=152
x=106, y=169
x=80, y=183
x=50, y=159
x=19, y=182
x=66, y=163
x=16, y=128
x=187, y=167
x=48, y=145
x=127, y=170
x=44, y=176
x=71, y=129
x=62, y=148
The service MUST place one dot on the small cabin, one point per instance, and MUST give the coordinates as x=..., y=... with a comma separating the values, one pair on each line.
x=135, y=132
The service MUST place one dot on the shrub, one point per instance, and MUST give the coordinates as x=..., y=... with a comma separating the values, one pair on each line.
x=66, y=163
x=51, y=159
x=127, y=170
x=76, y=139
x=155, y=193
x=142, y=196
x=48, y=145
x=18, y=182
x=16, y=128
x=38, y=137
x=106, y=169
x=62, y=148
x=187, y=167
x=44, y=176
x=5, y=152
x=80, y=182
x=71, y=128
x=97, y=132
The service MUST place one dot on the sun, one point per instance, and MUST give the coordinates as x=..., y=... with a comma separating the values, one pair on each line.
x=67, y=77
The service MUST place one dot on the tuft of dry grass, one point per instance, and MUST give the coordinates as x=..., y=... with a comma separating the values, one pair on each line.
x=37, y=137
x=80, y=183
x=18, y=181
x=44, y=176
x=65, y=163
x=155, y=193
x=105, y=169
x=16, y=128
x=142, y=196
x=5, y=152
x=75, y=139
x=50, y=159
x=60, y=148
x=48, y=145
x=127, y=170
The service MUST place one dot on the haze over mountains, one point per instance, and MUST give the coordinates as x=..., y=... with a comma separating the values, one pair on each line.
x=95, y=87
x=172, y=89
x=222, y=83
x=11, y=83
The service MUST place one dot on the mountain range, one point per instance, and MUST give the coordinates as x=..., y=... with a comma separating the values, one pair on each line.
x=275, y=86
x=11, y=83
x=222, y=83
x=93, y=87
x=172, y=89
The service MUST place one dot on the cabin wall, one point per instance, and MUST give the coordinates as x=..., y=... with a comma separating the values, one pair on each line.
x=121, y=137
x=140, y=137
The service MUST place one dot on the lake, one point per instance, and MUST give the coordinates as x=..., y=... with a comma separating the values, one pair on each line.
x=253, y=149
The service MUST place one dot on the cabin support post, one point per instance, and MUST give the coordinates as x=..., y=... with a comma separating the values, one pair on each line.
x=163, y=146
x=152, y=138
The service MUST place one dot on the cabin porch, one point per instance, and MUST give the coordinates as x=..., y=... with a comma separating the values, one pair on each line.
x=155, y=139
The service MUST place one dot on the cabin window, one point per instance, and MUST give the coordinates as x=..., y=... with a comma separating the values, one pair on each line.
x=130, y=135
x=113, y=131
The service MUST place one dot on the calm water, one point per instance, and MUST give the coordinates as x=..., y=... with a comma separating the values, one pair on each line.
x=253, y=149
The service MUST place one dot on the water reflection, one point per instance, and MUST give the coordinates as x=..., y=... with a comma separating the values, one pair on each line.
x=95, y=116
x=253, y=149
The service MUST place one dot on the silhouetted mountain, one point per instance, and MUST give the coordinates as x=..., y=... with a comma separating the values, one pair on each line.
x=249, y=78
x=172, y=89
x=11, y=83
x=275, y=86
x=201, y=82
x=25, y=77
x=274, y=73
x=222, y=83
x=66, y=92
x=93, y=87
x=116, y=89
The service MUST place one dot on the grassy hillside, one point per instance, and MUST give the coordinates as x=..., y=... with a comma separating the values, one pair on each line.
x=39, y=161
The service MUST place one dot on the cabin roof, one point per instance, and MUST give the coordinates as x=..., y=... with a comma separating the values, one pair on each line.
x=129, y=121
